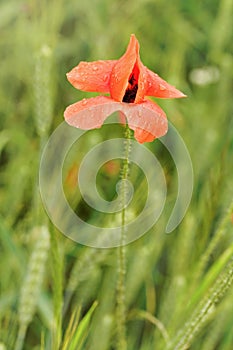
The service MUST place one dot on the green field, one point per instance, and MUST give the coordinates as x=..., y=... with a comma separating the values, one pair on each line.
x=176, y=291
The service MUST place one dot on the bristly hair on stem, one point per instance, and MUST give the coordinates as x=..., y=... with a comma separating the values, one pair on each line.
x=121, y=308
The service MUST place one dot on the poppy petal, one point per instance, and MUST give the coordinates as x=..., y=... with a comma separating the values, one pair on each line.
x=90, y=113
x=92, y=76
x=160, y=88
x=122, y=118
x=147, y=119
x=142, y=82
x=143, y=136
x=123, y=69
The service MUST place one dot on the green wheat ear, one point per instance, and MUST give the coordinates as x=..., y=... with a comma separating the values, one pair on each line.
x=32, y=283
x=205, y=308
x=43, y=90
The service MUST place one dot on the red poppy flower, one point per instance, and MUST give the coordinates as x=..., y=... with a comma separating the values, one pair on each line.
x=128, y=82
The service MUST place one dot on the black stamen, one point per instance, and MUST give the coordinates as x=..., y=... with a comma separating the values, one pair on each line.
x=132, y=80
x=130, y=94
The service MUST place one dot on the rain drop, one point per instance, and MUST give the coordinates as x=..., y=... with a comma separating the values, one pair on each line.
x=95, y=68
x=162, y=87
x=82, y=76
x=84, y=102
x=115, y=77
x=105, y=77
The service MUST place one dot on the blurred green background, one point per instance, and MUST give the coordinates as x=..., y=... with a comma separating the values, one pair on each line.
x=177, y=285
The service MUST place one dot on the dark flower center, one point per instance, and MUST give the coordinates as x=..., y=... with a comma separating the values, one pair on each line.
x=131, y=91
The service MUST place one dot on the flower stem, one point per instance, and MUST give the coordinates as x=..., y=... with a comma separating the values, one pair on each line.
x=121, y=309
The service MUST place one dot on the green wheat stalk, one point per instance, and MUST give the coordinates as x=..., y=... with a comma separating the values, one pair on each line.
x=214, y=241
x=32, y=284
x=204, y=310
x=57, y=275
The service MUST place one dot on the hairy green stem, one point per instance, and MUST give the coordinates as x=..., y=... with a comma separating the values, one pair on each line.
x=121, y=312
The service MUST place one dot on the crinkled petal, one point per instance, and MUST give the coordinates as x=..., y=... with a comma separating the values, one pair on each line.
x=123, y=69
x=147, y=119
x=142, y=82
x=92, y=76
x=143, y=136
x=90, y=113
x=122, y=118
x=160, y=88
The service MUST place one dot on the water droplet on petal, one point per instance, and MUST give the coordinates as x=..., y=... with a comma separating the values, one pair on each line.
x=162, y=87
x=95, y=68
x=84, y=101
x=115, y=78
x=82, y=76
x=105, y=77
